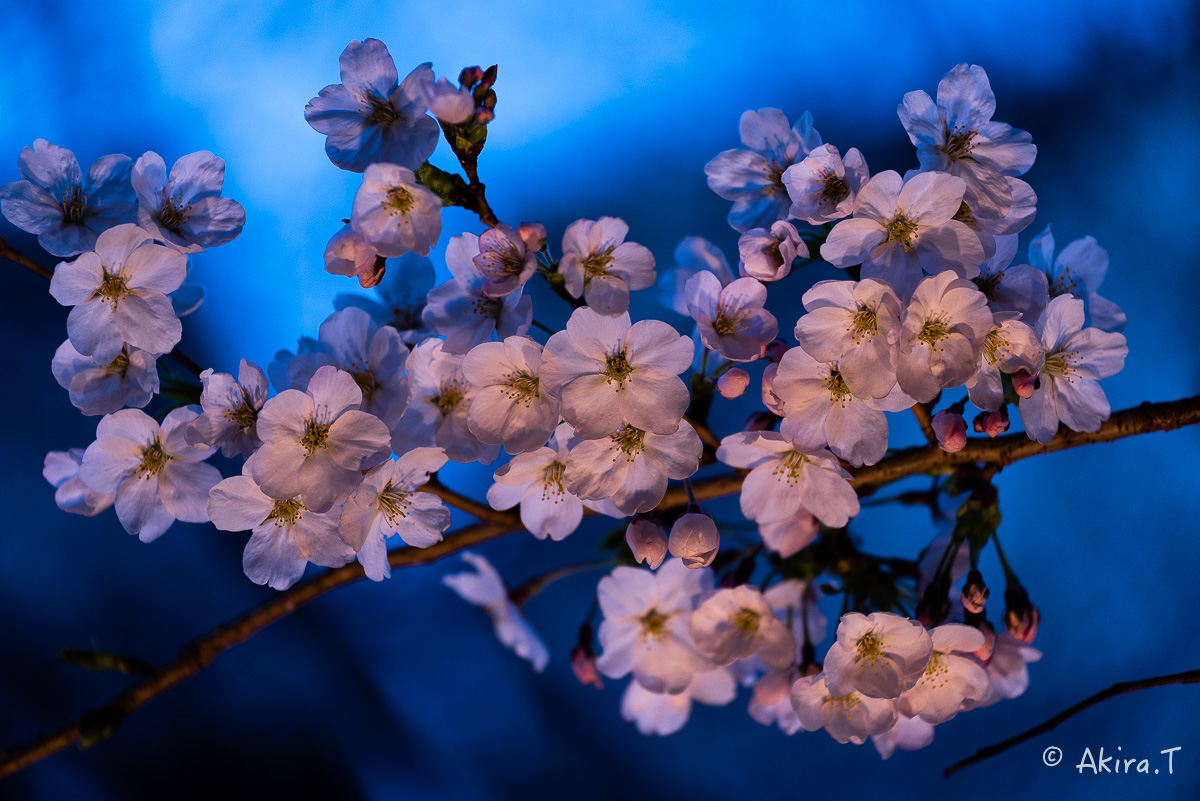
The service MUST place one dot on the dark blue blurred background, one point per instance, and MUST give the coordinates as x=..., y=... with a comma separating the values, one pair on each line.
x=400, y=690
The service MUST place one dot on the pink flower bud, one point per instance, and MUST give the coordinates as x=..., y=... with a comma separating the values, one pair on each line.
x=951, y=431
x=484, y=116
x=695, y=540
x=773, y=351
x=648, y=542
x=733, y=383
x=533, y=235
x=1021, y=617
x=1025, y=384
x=992, y=423
x=974, y=593
x=470, y=76
x=583, y=663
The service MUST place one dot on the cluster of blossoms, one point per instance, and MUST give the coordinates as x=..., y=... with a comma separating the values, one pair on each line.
x=597, y=417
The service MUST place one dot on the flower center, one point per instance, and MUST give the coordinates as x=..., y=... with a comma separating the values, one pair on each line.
x=833, y=189
x=315, y=436
x=838, y=391
x=73, y=203
x=451, y=396
x=995, y=347
x=112, y=288
x=745, y=621
x=617, y=368
x=243, y=416
x=483, y=306
x=522, y=387
x=394, y=502
x=597, y=263
x=1063, y=364
x=552, y=481
x=844, y=706
x=729, y=321
x=366, y=382
x=398, y=200
x=964, y=214
x=959, y=142
x=654, y=624
x=175, y=213
x=933, y=332
x=935, y=672
x=901, y=231
x=788, y=468
x=629, y=441
x=119, y=365
x=154, y=459
x=379, y=111
x=869, y=649
x=285, y=513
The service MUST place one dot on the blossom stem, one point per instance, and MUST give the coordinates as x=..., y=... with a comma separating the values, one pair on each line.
x=532, y=586
x=8, y=252
x=1121, y=688
x=921, y=411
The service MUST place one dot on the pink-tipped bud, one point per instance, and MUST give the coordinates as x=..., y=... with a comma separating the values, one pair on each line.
x=773, y=351
x=695, y=540
x=992, y=423
x=533, y=235
x=484, y=116
x=761, y=421
x=1021, y=617
x=984, y=653
x=733, y=383
x=1025, y=384
x=470, y=76
x=951, y=431
x=974, y=593
x=648, y=542
x=583, y=663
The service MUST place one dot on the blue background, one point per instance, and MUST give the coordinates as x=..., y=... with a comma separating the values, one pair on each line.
x=400, y=690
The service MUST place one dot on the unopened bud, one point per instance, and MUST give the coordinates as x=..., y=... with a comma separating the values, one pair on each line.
x=583, y=659
x=951, y=431
x=1021, y=617
x=992, y=423
x=773, y=351
x=733, y=383
x=761, y=421
x=695, y=540
x=484, y=116
x=974, y=593
x=470, y=76
x=1025, y=384
x=648, y=542
x=533, y=235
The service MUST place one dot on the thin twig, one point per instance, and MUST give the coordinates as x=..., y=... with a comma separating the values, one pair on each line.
x=8, y=252
x=1187, y=677
x=481, y=511
x=535, y=584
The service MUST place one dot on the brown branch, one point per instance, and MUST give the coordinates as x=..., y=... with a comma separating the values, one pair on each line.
x=8, y=252
x=97, y=724
x=477, y=509
x=1187, y=677
x=925, y=421
x=100, y=722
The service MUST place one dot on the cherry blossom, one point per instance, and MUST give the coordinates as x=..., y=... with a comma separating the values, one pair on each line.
x=317, y=442
x=824, y=187
x=439, y=401
x=285, y=534
x=119, y=295
x=753, y=177
x=367, y=117
x=737, y=623
x=880, y=655
x=64, y=208
x=131, y=379
x=910, y=734
x=857, y=325
x=485, y=588
x=767, y=254
x=1076, y=359
x=157, y=477
x=645, y=629
x=731, y=319
x=387, y=503
x=1078, y=270
x=231, y=407
x=510, y=406
x=1009, y=346
x=952, y=677
x=349, y=254
x=509, y=258
x=71, y=494
x=394, y=214
x=941, y=335
x=455, y=105
x=1008, y=670
x=535, y=481
x=1009, y=287
x=601, y=267
x=631, y=467
x=185, y=210
x=666, y=713
x=850, y=717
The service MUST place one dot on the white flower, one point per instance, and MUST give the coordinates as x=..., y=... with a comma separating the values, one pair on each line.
x=737, y=623
x=664, y=713
x=535, y=480
x=285, y=534
x=753, y=177
x=768, y=254
x=119, y=292
x=1076, y=359
x=1079, y=270
x=857, y=325
x=66, y=209
x=463, y=313
x=368, y=117
x=372, y=353
x=185, y=210
x=941, y=335
x=599, y=265
x=317, y=442
x=647, y=541
x=878, y=655
x=1010, y=346
x=783, y=481
x=849, y=718
x=439, y=400
x=952, y=676
x=131, y=379
x=731, y=319
x=387, y=503
x=903, y=227
x=510, y=405
x=824, y=187
x=991, y=232
x=911, y=734
x=607, y=372
x=71, y=494
x=632, y=466
x=509, y=258
x=484, y=588
x=231, y=410
x=958, y=136
x=394, y=214
x=1009, y=287
x=447, y=102
x=693, y=254
x=157, y=476
x=645, y=628
x=694, y=539
x=402, y=294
